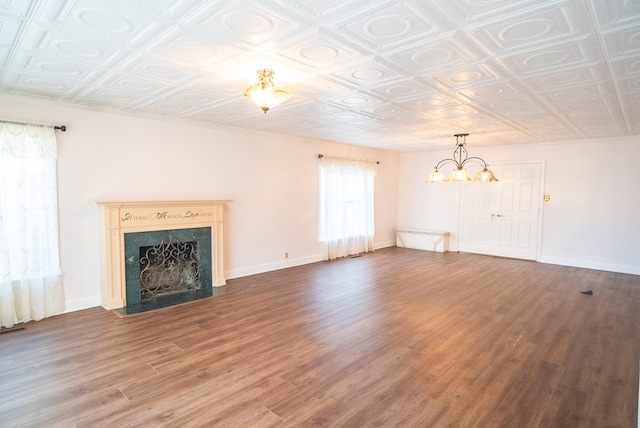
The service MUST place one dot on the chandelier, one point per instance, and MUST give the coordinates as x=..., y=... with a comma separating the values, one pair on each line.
x=459, y=160
x=264, y=93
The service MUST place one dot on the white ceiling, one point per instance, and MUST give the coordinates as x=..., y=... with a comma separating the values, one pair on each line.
x=397, y=75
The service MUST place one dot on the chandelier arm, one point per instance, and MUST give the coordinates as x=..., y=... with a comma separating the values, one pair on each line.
x=446, y=161
x=475, y=159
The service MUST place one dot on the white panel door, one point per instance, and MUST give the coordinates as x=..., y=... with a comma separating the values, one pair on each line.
x=502, y=218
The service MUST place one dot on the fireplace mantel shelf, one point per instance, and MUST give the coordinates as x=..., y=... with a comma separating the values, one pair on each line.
x=120, y=217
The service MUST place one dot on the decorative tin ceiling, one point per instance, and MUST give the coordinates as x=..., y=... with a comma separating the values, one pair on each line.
x=396, y=75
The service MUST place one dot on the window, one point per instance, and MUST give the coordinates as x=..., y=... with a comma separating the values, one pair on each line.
x=30, y=277
x=346, y=206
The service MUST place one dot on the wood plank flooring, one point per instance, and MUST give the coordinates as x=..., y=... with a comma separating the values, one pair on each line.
x=395, y=338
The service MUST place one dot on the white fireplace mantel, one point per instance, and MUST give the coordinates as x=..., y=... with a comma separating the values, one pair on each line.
x=118, y=218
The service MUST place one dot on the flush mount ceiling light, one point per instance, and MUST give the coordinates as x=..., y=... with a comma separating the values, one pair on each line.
x=264, y=93
x=459, y=160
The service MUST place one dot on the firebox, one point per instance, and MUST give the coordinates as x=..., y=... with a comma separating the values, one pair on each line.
x=166, y=262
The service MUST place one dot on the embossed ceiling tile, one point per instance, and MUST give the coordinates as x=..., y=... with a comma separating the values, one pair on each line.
x=632, y=102
x=556, y=96
x=320, y=51
x=312, y=109
x=4, y=55
x=347, y=117
x=461, y=111
x=135, y=84
x=403, y=90
x=629, y=85
x=164, y=108
x=319, y=88
x=450, y=50
x=216, y=116
x=516, y=105
x=502, y=136
x=430, y=102
x=603, y=109
x=117, y=21
x=10, y=30
x=245, y=23
x=65, y=45
x=157, y=70
x=593, y=73
x=195, y=99
x=465, y=12
x=109, y=97
x=591, y=131
x=39, y=89
x=369, y=73
x=55, y=68
x=622, y=42
x=468, y=76
x=47, y=83
x=477, y=123
x=15, y=9
x=504, y=88
x=384, y=110
x=201, y=52
x=241, y=111
x=625, y=67
x=549, y=24
x=556, y=133
x=388, y=25
x=566, y=54
x=354, y=101
x=416, y=121
x=326, y=10
x=614, y=13
x=378, y=126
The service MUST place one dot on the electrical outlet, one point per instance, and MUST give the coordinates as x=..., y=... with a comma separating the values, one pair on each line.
x=286, y=255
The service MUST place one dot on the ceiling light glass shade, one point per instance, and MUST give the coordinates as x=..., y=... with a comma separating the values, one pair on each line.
x=436, y=177
x=264, y=93
x=485, y=175
x=460, y=174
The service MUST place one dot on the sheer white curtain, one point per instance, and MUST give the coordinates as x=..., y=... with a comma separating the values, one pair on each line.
x=346, y=206
x=30, y=276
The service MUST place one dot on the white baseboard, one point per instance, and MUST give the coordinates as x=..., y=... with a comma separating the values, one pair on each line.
x=385, y=244
x=287, y=263
x=80, y=304
x=268, y=267
x=609, y=267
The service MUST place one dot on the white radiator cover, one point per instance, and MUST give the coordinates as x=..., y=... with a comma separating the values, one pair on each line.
x=421, y=239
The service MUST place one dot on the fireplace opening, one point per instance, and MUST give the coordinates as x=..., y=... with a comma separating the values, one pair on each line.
x=169, y=268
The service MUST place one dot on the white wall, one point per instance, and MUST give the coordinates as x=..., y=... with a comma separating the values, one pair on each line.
x=272, y=180
x=592, y=219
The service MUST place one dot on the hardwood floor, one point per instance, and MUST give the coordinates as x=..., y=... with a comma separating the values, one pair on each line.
x=395, y=338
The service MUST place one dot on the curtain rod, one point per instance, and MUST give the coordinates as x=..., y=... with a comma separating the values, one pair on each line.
x=62, y=128
x=320, y=156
